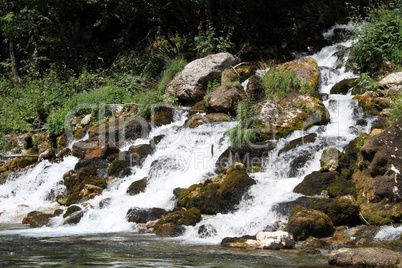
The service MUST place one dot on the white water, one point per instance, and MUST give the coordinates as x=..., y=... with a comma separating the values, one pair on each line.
x=181, y=159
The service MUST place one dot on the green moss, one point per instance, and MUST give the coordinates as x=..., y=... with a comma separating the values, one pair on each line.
x=71, y=210
x=137, y=187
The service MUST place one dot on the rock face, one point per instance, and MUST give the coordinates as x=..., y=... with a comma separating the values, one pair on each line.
x=378, y=178
x=365, y=257
x=220, y=194
x=191, y=83
x=255, y=88
x=309, y=222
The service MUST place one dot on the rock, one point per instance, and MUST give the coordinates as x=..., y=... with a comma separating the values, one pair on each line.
x=93, y=149
x=20, y=163
x=220, y=194
x=63, y=153
x=172, y=223
x=298, y=142
x=250, y=155
x=298, y=163
x=392, y=83
x=49, y=154
x=365, y=257
x=74, y=218
x=333, y=182
x=255, y=88
x=121, y=165
x=137, y=187
x=306, y=69
x=27, y=219
x=62, y=199
x=197, y=119
x=275, y=240
x=225, y=98
x=296, y=112
x=90, y=191
x=162, y=116
x=340, y=35
x=38, y=219
x=245, y=71
x=309, y=222
x=198, y=107
x=85, y=121
x=313, y=245
x=70, y=210
x=139, y=153
x=378, y=177
x=206, y=231
x=246, y=241
x=191, y=83
x=344, y=86
x=144, y=215
x=371, y=101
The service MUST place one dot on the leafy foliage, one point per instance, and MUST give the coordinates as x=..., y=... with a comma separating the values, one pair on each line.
x=247, y=129
x=379, y=39
x=281, y=84
x=208, y=42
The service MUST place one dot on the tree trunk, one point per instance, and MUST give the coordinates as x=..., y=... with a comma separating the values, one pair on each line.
x=14, y=63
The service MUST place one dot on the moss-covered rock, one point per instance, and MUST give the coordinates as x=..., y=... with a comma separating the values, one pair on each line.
x=172, y=223
x=344, y=86
x=225, y=98
x=255, y=88
x=37, y=219
x=373, y=102
x=197, y=119
x=137, y=187
x=220, y=194
x=332, y=181
x=163, y=116
x=20, y=163
x=139, y=153
x=144, y=215
x=309, y=222
x=70, y=210
x=313, y=245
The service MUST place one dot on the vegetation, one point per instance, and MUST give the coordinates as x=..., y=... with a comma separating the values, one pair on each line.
x=379, y=39
x=246, y=131
x=279, y=85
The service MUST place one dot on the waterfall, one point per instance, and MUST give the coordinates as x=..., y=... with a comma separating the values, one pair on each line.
x=184, y=157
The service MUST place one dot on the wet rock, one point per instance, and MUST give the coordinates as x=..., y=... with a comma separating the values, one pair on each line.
x=313, y=245
x=308, y=222
x=121, y=165
x=62, y=199
x=90, y=191
x=139, y=153
x=172, y=223
x=373, y=102
x=220, y=194
x=239, y=241
x=298, y=163
x=191, y=83
x=93, y=149
x=344, y=86
x=207, y=230
x=365, y=257
x=26, y=141
x=105, y=202
x=197, y=119
x=340, y=35
x=249, y=155
x=275, y=240
x=70, y=210
x=74, y=218
x=255, y=88
x=137, y=187
x=37, y=219
x=162, y=116
x=298, y=142
x=49, y=154
x=199, y=107
x=144, y=215
x=378, y=178
x=156, y=140
x=64, y=153
x=333, y=182
x=19, y=163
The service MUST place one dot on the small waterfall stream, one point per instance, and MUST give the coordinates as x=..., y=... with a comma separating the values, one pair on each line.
x=182, y=158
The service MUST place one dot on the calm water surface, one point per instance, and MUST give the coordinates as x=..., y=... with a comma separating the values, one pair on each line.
x=133, y=250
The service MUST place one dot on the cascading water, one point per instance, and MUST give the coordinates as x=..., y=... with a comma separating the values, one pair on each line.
x=185, y=157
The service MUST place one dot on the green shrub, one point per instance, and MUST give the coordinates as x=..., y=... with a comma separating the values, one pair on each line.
x=149, y=101
x=281, y=84
x=379, y=39
x=208, y=42
x=396, y=108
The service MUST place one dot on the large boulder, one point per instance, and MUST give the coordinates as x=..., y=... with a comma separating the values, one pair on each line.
x=295, y=112
x=365, y=257
x=172, y=224
x=373, y=102
x=378, y=178
x=93, y=149
x=220, y=194
x=309, y=222
x=191, y=83
x=255, y=88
